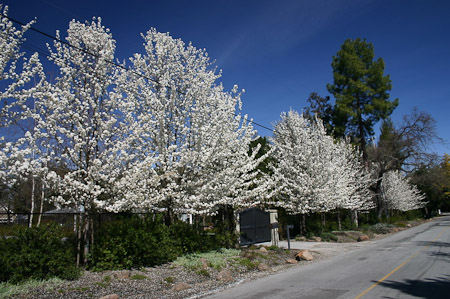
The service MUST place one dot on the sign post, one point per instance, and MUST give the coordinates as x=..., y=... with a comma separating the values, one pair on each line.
x=288, y=235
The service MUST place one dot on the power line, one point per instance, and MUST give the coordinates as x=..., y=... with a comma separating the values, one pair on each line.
x=48, y=54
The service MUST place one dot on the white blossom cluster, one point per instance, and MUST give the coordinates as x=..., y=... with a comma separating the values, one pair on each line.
x=21, y=79
x=314, y=173
x=399, y=194
x=17, y=72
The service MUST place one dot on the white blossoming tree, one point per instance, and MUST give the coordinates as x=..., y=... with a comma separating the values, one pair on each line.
x=399, y=194
x=353, y=181
x=314, y=173
x=304, y=173
x=82, y=111
x=82, y=119
x=186, y=148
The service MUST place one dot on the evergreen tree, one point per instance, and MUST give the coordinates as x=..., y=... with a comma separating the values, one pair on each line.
x=361, y=90
x=322, y=108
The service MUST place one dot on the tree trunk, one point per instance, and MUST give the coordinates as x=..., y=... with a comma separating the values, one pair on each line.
x=304, y=224
x=323, y=221
x=41, y=208
x=354, y=214
x=86, y=239
x=168, y=219
x=8, y=210
x=91, y=224
x=237, y=226
x=362, y=138
x=33, y=187
x=339, y=220
x=301, y=225
x=229, y=218
x=380, y=202
x=79, y=235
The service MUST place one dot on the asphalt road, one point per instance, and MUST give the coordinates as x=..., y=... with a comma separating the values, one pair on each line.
x=414, y=263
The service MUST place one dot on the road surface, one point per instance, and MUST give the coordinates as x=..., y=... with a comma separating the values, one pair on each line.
x=414, y=263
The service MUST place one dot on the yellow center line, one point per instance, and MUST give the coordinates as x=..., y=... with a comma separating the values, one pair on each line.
x=401, y=265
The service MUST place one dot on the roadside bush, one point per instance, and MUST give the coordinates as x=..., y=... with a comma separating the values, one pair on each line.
x=364, y=227
x=215, y=259
x=189, y=239
x=381, y=228
x=406, y=216
x=401, y=223
x=346, y=224
x=10, y=230
x=310, y=235
x=133, y=242
x=11, y=290
x=37, y=253
x=329, y=237
x=224, y=239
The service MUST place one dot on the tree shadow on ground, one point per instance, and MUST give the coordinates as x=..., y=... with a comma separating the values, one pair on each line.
x=445, y=222
x=430, y=288
x=437, y=249
x=432, y=244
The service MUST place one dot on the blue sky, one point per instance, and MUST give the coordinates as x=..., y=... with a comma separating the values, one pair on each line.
x=281, y=51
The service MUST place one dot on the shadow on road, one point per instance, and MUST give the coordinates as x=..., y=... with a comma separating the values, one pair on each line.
x=444, y=221
x=433, y=244
x=434, y=288
x=436, y=245
x=442, y=257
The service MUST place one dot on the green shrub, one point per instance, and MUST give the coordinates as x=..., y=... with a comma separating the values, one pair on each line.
x=134, y=242
x=381, y=228
x=364, y=227
x=189, y=239
x=401, y=224
x=248, y=263
x=329, y=237
x=37, y=253
x=309, y=235
x=203, y=272
x=11, y=290
x=224, y=239
x=346, y=224
x=10, y=230
x=138, y=277
x=169, y=279
x=215, y=259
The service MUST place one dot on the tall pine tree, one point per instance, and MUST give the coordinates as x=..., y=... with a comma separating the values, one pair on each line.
x=361, y=90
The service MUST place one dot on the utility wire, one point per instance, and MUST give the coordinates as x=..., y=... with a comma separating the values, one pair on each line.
x=48, y=54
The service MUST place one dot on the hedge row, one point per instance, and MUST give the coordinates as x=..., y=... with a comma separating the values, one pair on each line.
x=37, y=253
x=129, y=242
